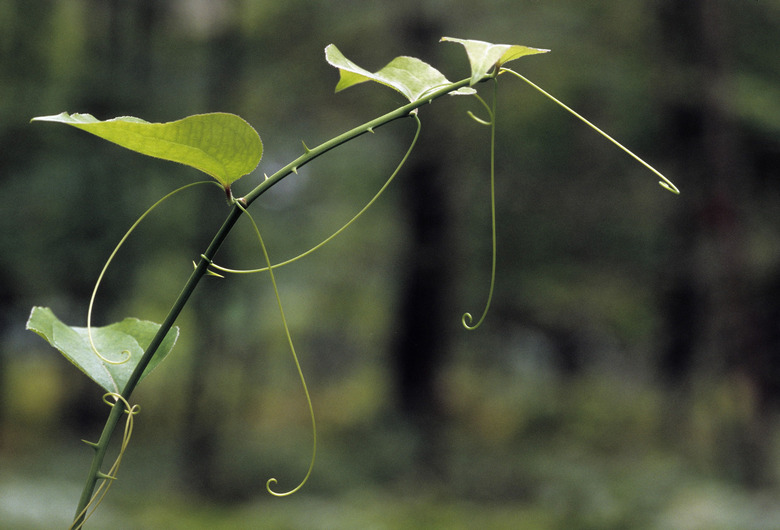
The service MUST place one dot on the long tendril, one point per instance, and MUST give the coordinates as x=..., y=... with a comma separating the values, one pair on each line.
x=347, y=225
x=272, y=481
x=125, y=353
x=664, y=182
x=108, y=478
x=467, y=319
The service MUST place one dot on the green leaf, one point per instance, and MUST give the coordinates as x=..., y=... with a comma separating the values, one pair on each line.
x=219, y=144
x=484, y=56
x=410, y=76
x=130, y=335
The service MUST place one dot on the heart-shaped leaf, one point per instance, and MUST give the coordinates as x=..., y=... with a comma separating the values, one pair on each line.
x=484, y=56
x=220, y=144
x=410, y=76
x=130, y=335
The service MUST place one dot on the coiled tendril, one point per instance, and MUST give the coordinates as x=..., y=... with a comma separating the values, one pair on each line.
x=125, y=353
x=467, y=319
x=270, y=268
x=109, y=477
x=272, y=481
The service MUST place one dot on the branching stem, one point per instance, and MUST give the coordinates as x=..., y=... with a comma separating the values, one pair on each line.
x=346, y=225
x=206, y=258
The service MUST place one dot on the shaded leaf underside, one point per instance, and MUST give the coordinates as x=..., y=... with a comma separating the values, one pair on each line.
x=130, y=335
x=414, y=78
x=484, y=56
x=408, y=75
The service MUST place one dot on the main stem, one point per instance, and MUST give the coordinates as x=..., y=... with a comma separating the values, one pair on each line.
x=202, y=267
x=116, y=412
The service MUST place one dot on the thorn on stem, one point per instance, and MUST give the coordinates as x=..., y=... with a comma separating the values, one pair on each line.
x=93, y=445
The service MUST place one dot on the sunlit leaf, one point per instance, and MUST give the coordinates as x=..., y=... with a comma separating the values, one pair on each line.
x=484, y=56
x=219, y=144
x=410, y=76
x=130, y=335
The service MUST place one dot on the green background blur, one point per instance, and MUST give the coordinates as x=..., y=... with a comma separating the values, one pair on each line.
x=627, y=375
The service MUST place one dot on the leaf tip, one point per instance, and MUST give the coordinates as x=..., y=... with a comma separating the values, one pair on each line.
x=53, y=117
x=32, y=312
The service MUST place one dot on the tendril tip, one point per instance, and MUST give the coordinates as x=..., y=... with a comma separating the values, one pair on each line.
x=467, y=320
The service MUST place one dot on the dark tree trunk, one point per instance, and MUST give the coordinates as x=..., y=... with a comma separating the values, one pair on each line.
x=421, y=341
x=710, y=325
x=424, y=325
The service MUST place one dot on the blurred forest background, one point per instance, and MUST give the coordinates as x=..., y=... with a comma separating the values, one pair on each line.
x=627, y=375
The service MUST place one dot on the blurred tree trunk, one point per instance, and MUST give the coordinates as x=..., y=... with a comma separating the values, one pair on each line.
x=422, y=341
x=709, y=321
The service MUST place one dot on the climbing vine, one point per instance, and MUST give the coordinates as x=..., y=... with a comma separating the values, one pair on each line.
x=225, y=147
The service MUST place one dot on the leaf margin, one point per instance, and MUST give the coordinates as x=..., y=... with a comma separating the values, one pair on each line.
x=485, y=56
x=426, y=77
x=158, y=140
x=47, y=325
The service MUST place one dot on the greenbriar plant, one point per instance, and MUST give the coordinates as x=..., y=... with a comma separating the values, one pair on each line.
x=224, y=146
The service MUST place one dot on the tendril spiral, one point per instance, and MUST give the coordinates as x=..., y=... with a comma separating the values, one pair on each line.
x=125, y=353
x=109, y=477
x=272, y=481
x=467, y=319
x=270, y=268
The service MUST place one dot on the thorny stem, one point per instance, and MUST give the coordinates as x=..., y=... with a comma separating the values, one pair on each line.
x=203, y=264
x=97, y=498
x=354, y=218
x=116, y=413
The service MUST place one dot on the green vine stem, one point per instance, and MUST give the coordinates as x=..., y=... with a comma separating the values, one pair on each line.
x=346, y=225
x=311, y=154
x=239, y=207
x=109, y=477
x=101, y=446
x=202, y=267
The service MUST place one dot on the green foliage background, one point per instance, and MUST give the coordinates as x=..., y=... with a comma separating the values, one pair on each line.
x=594, y=259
